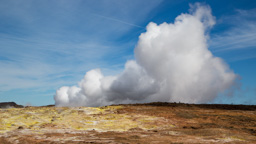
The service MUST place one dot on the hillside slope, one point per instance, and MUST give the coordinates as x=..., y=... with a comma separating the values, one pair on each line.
x=138, y=123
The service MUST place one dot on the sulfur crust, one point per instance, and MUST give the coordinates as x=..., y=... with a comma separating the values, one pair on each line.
x=77, y=118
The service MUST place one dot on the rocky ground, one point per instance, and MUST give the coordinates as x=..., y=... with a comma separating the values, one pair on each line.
x=138, y=123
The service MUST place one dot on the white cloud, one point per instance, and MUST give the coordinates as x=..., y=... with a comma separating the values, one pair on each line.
x=172, y=63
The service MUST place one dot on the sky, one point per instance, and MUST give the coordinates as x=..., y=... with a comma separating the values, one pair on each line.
x=45, y=45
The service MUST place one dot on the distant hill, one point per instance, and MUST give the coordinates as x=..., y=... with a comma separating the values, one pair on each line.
x=9, y=105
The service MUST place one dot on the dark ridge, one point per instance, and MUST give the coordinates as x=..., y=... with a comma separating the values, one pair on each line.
x=203, y=106
x=48, y=106
x=10, y=105
x=228, y=107
x=164, y=104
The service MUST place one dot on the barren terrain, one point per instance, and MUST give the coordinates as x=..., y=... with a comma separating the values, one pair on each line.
x=137, y=123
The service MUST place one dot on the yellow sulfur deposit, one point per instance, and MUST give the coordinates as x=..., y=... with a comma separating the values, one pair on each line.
x=78, y=118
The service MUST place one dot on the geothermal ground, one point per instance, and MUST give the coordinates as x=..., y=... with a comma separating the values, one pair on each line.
x=138, y=123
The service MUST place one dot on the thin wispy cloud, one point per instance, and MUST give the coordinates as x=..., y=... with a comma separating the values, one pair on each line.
x=241, y=35
x=113, y=19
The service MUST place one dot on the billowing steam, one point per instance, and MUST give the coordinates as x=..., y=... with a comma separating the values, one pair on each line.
x=172, y=64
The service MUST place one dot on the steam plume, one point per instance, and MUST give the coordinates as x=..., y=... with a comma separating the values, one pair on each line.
x=172, y=63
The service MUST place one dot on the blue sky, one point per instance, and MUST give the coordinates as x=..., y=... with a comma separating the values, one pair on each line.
x=48, y=44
